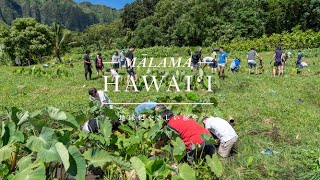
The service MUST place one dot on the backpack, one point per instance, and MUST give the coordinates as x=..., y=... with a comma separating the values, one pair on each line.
x=99, y=62
x=93, y=126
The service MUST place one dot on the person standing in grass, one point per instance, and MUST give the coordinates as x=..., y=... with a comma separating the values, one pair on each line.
x=278, y=55
x=195, y=59
x=251, y=60
x=190, y=132
x=130, y=62
x=122, y=58
x=87, y=65
x=115, y=61
x=226, y=135
x=99, y=64
x=223, y=60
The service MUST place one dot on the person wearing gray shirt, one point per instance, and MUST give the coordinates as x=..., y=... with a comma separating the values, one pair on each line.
x=251, y=60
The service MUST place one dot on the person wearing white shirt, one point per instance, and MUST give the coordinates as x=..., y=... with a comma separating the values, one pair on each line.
x=224, y=132
x=101, y=97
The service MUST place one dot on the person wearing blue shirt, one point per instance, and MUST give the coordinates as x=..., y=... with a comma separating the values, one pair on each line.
x=147, y=106
x=222, y=62
x=235, y=65
x=299, y=62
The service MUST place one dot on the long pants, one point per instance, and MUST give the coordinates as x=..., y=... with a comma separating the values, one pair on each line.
x=87, y=70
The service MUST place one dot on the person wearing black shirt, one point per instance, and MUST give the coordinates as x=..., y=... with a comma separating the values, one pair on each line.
x=87, y=65
x=196, y=58
x=130, y=64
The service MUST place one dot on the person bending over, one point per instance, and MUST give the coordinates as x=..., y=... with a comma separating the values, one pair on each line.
x=224, y=132
x=190, y=132
x=101, y=98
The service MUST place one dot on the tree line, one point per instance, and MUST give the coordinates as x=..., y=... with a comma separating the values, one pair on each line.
x=180, y=23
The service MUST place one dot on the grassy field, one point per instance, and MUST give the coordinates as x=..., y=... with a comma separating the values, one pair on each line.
x=279, y=113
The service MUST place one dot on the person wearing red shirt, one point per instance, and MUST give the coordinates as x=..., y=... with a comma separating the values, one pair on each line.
x=190, y=132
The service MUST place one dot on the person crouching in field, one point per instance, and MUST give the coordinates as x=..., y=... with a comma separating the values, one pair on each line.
x=99, y=64
x=224, y=132
x=299, y=64
x=235, y=65
x=154, y=106
x=190, y=132
x=100, y=97
x=92, y=126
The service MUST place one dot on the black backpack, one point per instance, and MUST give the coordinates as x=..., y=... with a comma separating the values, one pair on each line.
x=93, y=126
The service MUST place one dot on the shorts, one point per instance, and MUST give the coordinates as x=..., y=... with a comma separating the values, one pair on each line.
x=194, y=65
x=277, y=63
x=225, y=147
x=221, y=64
x=252, y=63
x=99, y=68
x=115, y=66
x=131, y=71
x=122, y=63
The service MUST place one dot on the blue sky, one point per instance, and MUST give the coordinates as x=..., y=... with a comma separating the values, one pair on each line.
x=118, y=4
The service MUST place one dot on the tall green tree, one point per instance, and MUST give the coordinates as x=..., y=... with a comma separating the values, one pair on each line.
x=61, y=39
x=27, y=40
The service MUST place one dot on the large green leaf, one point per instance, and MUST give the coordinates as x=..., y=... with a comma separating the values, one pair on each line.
x=64, y=154
x=186, y=172
x=111, y=114
x=106, y=129
x=63, y=117
x=192, y=96
x=208, y=138
x=178, y=148
x=5, y=152
x=121, y=163
x=46, y=139
x=48, y=155
x=11, y=134
x=77, y=163
x=139, y=167
x=23, y=117
x=58, y=152
x=127, y=129
x=154, y=165
x=24, y=162
x=34, y=171
x=97, y=157
x=215, y=165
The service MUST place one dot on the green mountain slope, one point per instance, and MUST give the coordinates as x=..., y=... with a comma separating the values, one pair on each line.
x=66, y=12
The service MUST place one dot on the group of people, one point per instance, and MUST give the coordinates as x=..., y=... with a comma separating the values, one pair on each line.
x=118, y=61
x=187, y=128
x=217, y=62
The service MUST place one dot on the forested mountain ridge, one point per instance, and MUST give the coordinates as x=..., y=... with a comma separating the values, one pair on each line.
x=202, y=22
x=72, y=15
